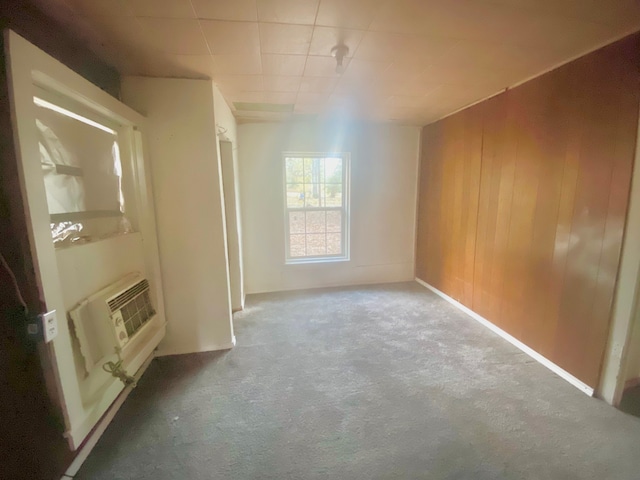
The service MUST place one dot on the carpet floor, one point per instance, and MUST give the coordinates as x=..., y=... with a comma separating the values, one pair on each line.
x=375, y=382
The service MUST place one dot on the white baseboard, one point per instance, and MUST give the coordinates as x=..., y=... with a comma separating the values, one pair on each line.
x=209, y=348
x=583, y=387
x=102, y=425
x=632, y=383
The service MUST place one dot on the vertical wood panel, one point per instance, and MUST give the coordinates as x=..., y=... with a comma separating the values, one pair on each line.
x=523, y=200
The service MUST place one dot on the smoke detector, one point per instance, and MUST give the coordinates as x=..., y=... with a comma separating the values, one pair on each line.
x=339, y=52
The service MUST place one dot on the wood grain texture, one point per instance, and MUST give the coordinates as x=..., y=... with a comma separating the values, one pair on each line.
x=523, y=201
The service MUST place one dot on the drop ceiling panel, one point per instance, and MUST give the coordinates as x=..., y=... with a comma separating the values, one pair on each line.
x=318, y=84
x=164, y=8
x=238, y=64
x=410, y=61
x=302, y=12
x=325, y=38
x=275, y=64
x=285, y=39
x=226, y=37
x=240, y=83
x=240, y=10
x=348, y=13
x=101, y=8
x=322, y=66
x=281, y=83
x=175, y=35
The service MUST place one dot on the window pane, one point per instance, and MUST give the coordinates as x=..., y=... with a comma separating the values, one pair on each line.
x=294, y=170
x=333, y=195
x=333, y=170
x=334, y=221
x=315, y=222
x=312, y=195
x=295, y=195
x=296, y=222
x=313, y=170
x=334, y=243
x=296, y=246
x=316, y=244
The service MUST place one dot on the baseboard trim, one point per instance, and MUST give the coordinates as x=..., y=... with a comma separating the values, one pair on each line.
x=210, y=348
x=632, y=383
x=92, y=439
x=583, y=387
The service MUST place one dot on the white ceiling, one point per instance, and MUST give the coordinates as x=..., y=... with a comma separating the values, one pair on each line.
x=410, y=61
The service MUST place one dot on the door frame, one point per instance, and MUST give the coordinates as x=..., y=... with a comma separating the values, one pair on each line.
x=626, y=297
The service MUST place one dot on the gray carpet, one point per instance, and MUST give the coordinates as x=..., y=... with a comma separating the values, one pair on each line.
x=380, y=382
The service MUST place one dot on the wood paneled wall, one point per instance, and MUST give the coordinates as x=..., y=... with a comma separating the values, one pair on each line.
x=523, y=202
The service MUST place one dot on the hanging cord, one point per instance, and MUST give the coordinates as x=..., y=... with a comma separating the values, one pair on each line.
x=116, y=370
x=15, y=283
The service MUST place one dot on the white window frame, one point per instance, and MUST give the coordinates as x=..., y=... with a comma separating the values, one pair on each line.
x=345, y=208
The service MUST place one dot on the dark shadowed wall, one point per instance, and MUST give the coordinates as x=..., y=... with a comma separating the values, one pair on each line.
x=523, y=201
x=31, y=442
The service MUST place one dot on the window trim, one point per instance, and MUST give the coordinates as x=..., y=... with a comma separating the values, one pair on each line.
x=345, y=209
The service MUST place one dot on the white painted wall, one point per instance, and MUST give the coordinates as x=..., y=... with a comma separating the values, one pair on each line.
x=185, y=168
x=226, y=128
x=384, y=166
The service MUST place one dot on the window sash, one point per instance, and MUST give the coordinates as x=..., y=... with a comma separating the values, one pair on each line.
x=343, y=209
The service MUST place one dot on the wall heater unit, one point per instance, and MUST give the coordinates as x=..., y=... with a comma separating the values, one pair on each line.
x=111, y=317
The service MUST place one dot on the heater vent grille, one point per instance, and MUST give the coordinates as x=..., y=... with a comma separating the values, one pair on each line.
x=120, y=300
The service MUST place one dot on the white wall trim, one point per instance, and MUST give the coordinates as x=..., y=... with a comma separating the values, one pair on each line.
x=101, y=426
x=632, y=383
x=583, y=387
x=209, y=348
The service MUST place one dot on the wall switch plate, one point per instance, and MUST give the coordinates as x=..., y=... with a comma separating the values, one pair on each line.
x=49, y=326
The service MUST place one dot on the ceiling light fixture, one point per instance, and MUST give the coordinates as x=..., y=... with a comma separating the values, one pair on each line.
x=339, y=52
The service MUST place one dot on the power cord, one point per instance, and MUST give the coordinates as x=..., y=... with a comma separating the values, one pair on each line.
x=116, y=370
x=15, y=283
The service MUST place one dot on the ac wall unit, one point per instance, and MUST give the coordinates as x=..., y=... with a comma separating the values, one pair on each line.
x=109, y=319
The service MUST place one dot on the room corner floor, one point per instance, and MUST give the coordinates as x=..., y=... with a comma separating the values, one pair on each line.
x=377, y=382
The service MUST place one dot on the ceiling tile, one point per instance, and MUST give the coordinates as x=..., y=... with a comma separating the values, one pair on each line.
x=348, y=13
x=279, y=97
x=280, y=83
x=242, y=97
x=175, y=35
x=225, y=37
x=411, y=49
x=407, y=101
x=274, y=64
x=287, y=11
x=285, y=39
x=308, y=108
x=318, y=84
x=241, y=10
x=238, y=64
x=101, y=8
x=403, y=84
x=163, y=9
x=182, y=66
x=312, y=98
x=322, y=66
x=410, y=60
x=325, y=38
x=361, y=77
x=239, y=83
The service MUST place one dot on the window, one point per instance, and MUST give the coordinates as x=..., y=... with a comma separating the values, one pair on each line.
x=316, y=210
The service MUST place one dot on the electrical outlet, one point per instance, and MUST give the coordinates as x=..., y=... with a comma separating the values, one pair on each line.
x=49, y=326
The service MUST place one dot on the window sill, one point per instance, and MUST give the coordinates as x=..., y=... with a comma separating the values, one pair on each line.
x=308, y=261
